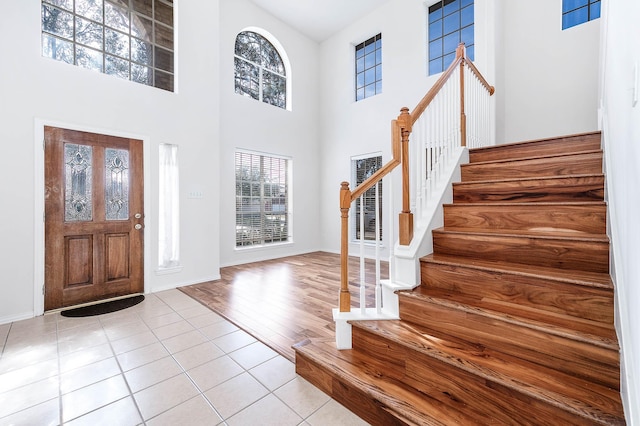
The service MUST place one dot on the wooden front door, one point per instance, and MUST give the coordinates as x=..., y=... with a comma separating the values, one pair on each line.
x=94, y=217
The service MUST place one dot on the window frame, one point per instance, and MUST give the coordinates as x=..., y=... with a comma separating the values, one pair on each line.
x=146, y=30
x=369, y=198
x=286, y=75
x=437, y=49
x=260, y=241
x=372, y=47
x=590, y=6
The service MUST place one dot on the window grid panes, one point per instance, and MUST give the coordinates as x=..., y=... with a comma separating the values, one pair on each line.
x=451, y=22
x=362, y=169
x=259, y=70
x=130, y=39
x=262, y=199
x=369, y=68
x=576, y=12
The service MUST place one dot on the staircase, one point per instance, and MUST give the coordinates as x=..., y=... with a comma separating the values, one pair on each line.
x=513, y=320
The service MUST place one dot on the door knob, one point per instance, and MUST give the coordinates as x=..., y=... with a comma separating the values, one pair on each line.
x=137, y=215
x=138, y=226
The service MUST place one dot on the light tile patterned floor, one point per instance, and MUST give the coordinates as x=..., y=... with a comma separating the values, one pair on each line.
x=166, y=361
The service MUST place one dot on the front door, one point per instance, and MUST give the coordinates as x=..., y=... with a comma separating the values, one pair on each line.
x=94, y=217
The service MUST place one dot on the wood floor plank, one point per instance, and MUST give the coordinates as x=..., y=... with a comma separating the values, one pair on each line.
x=284, y=301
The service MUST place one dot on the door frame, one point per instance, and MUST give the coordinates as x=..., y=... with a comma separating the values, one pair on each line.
x=39, y=188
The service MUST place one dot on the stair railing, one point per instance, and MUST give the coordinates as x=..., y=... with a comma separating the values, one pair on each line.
x=440, y=129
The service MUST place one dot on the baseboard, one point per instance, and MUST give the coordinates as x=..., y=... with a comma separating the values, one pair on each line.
x=18, y=317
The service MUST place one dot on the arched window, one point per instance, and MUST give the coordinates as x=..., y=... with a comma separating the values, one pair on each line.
x=259, y=70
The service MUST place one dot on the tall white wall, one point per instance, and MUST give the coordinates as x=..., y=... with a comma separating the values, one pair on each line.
x=252, y=125
x=621, y=129
x=352, y=128
x=547, y=78
x=36, y=90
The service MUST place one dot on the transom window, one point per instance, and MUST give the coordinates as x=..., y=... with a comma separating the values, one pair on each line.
x=130, y=39
x=259, y=70
x=576, y=12
x=361, y=169
x=369, y=68
x=451, y=22
x=262, y=199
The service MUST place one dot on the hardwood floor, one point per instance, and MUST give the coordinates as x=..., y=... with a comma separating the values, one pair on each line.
x=283, y=301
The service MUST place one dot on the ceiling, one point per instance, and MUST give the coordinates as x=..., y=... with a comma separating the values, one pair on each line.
x=318, y=19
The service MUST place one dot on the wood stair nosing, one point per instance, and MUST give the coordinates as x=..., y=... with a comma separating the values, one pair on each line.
x=589, y=253
x=538, y=189
x=536, y=343
x=378, y=400
x=483, y=378
x=574, y=328
x=561, y=165
x=582, y=278
x=585, y=217
x=562, y=144
x=588, y=309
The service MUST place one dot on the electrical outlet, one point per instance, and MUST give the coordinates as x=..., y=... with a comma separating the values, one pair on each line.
x=195, y=194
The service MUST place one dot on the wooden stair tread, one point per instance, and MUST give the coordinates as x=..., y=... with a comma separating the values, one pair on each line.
x=594, y=402
x=532, y=158
x=562, y=143
x=577, y=277
x=402, y=401
x=590, y=332
x=533, y=178
x=528, y=204
x=549, y=234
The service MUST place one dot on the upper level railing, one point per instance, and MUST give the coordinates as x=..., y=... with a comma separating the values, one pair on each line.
x=440, y=127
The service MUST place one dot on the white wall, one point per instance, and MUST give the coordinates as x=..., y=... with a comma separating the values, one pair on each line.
x=36, y=90
x=621, y=128
x=352, y=128
x=252, y=125
x=547, y=76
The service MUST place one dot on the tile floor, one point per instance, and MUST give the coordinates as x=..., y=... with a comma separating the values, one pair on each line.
x=166, y=361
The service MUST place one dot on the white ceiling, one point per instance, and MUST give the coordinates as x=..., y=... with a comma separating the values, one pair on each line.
x=318, y=19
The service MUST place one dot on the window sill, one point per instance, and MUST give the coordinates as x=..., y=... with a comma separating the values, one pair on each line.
x=168, y=271
x=263, y=246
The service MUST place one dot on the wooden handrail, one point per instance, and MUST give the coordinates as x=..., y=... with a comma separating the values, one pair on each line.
x=387, y=168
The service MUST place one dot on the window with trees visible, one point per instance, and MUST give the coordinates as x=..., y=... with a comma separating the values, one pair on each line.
x=576, y=12
x=451, y=22
x=262, y=199
x=130, y=39
x=369, y=68
x=361, y=169
x=259, y=70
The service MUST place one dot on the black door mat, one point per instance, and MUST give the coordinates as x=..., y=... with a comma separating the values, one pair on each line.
x=103, y=308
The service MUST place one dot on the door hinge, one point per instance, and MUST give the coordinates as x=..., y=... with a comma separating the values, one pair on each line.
x=43, y=144
x=43, y=289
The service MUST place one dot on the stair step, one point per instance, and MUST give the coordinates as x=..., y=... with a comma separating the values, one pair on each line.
x=534, y=148
x=575, y=299
x=347, y=377
x=586, y=162
x=529, y=340
x=587, y=217
x=547, y=189
x=505, y=388
x=588, y=252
